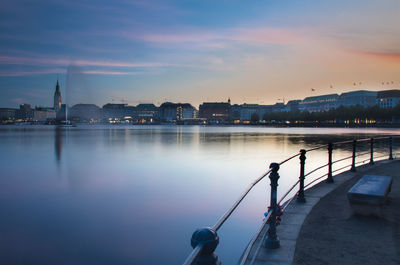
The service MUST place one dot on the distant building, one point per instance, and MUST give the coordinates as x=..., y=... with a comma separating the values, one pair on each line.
x=235, y=112
x=146, y=113
x=114, y=111
x=218, y=112
x=85, y=113
x=176, y=111
x=247, y=110
x=388, y=98
x=7, y=113
x=363, y=98
x=57, y=98
x=63, y=113
x=277, y=107
x=25, y=112
x=292, y=106
x=319, y=103
x=41, y=114
x=130, y=112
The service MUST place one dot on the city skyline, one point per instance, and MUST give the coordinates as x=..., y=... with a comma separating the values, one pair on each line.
x=388, y=86
x=153, y=51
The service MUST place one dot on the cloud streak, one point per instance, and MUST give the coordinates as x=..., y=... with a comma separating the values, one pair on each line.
x=247, y=35
x=63, y=71
x=28, y=73
x=63, y=62
x=100, y=72
x=384, y=56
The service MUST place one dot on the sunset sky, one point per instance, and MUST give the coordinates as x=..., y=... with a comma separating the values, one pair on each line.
x=193, y=51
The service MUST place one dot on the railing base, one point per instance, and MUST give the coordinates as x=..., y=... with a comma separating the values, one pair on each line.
x=272, y=243
x=329, y=180
x=211, y=259
x=301, y=199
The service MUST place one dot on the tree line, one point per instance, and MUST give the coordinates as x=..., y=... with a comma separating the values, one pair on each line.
x=338, y=115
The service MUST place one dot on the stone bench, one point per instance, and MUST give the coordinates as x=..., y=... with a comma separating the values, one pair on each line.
x=369, y=194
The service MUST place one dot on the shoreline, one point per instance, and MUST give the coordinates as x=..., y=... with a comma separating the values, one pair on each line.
x=267, y=125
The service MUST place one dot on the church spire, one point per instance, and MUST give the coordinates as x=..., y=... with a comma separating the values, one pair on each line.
x=57, y=97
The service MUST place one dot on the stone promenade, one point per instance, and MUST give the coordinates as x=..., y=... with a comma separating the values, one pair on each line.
x=324, y=230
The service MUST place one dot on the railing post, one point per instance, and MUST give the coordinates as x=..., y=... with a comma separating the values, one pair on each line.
x=209, y=239
x=353, y=163
x=330, y=149
x=390, y=148
x=300, y=196
x=272, y=241
x=371, y=161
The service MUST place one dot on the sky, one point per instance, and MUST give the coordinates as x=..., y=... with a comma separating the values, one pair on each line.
x=145, y=51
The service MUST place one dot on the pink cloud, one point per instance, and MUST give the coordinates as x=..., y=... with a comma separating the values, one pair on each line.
x=179, y=37
x=266, y=35
x=25, y=73
x=249, y=35
x=55, y=61
x=62, y=71
x=18, y=100
x=100, y=72
x=393, y=57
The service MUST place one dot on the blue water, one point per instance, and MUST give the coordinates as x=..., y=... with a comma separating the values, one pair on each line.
x=135, y=194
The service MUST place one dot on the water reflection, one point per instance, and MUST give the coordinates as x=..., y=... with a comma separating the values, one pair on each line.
x=58, y=144
x=128, y=191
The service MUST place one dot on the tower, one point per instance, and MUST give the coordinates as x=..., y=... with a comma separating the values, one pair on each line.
x=57, y=98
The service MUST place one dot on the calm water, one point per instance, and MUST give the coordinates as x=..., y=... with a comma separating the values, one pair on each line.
x=134, y=195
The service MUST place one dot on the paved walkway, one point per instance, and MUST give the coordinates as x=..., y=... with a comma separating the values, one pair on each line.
x=324, y=231
x=331, y=234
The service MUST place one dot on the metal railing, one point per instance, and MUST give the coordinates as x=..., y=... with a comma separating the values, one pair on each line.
x=205, y=240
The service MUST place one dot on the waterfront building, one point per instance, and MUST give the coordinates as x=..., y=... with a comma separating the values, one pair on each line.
x=235, y=113
x=292, y=106
x=42, y=114
x=62, y=113
x=388, y=98
x=363, y=98
x=247, y=111
x=7, y=113
x=130, y=113
x=24, y=113
x=85, y=113
x=215, y=112
x=146, y=113
x=176, y=111
x=265, y=109
x=57, y=98
x=114, y=111
x=319, y=103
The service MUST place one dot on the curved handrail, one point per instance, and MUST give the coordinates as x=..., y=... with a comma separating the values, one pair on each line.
x=222, y=220
x=193, y=255
x=197, y=250
x=351, y=141
x=287, y=193
x=316, y=169
x=288, y=159
x=342, y=159
x=316, y=148
x=254, y=239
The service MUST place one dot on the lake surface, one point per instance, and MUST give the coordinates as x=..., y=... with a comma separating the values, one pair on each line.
x=135, y=194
